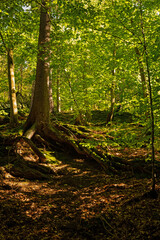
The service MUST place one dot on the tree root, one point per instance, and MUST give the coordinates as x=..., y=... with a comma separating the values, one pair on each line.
x=70, y=137
x=30, y=132
x=41, y=156
x=28, y=170
x=66, y=137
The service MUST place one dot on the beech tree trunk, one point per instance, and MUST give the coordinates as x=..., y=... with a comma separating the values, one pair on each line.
x=58, y=92
x=21, y=83
x=12, y=90
x=51, y=104
x=111, y=112
x=39, y=113
x=142, y=73
x=151, y=102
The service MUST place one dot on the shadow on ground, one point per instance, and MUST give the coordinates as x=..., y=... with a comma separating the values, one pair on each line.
x=79, y=201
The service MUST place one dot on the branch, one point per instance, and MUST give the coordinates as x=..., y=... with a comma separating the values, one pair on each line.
x=3, y=41
x=127, y=28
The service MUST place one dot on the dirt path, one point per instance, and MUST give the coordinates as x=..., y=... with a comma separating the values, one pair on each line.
x=73, y=204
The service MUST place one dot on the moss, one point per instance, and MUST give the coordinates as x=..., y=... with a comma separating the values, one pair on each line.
x=51, y=157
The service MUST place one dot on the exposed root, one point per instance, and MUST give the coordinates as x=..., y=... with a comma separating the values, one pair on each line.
x=66, y=138
x=28, y=170
x=30, y=132
x=40, y=155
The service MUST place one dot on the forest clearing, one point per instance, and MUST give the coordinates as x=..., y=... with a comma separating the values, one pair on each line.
x=79, y=119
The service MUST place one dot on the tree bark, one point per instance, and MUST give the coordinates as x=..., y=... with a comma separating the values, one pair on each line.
x=51, y=104
x=142, y=73
x=58, y=92
x=12, y=90
x=151, y=100
x=111, y=112
x=21, y=83
x=39, y=113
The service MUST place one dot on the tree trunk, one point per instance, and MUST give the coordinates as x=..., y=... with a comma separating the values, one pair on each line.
x=111, y=112
x=79, y=119
x=39, y=113
x=12, y=90
x=153, y=191
x=51, y=104
x=142, y=73
x=21, y=83
x=84, y=82
x=58, y=92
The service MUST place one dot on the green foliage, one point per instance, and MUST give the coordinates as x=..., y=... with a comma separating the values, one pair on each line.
x=84, y=35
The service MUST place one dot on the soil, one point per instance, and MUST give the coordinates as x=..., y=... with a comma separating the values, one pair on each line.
x=78, y=201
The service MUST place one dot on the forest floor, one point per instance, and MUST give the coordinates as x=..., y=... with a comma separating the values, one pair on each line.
x=79, y=201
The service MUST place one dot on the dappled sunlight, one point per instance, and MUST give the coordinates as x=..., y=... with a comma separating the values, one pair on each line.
x=25, y=151
x=80, y=120
x=77, y=199
x=72, y=194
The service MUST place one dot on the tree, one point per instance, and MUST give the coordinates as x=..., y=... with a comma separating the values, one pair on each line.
x=12, y=34
x=139, y=32
x=39, y=113
x=38, y=119
x=150, y=97
x=111, y=112
x=12, y=90
x=11, y=81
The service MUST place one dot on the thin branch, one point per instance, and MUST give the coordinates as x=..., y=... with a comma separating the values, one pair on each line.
x=75, y=101
x=127, y=28
x=3, y=41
